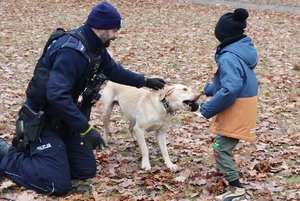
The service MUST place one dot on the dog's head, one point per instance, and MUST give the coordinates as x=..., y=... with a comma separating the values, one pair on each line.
x=179, y=97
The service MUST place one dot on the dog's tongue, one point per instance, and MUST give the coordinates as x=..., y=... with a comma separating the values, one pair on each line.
x=194, y=106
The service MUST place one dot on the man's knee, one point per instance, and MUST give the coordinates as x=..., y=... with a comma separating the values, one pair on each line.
x=89, y=173
x=45, y=186
x=61, y=188
x=84, y=172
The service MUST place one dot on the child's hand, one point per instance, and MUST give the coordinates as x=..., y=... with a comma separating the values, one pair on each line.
x=202, y=88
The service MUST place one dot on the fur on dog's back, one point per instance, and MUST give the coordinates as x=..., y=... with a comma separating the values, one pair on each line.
x=113, y=93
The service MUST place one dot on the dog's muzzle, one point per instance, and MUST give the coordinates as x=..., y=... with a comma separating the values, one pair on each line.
x=193, y=105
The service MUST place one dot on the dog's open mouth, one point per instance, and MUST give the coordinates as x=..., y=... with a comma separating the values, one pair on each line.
x=193, y=105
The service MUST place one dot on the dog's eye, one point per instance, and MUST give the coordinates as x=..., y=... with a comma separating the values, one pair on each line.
x=184, y=89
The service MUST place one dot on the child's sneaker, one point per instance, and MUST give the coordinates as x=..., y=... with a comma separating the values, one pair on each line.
x=233, y=194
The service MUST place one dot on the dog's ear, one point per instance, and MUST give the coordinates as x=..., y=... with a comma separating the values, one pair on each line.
x=165, y=92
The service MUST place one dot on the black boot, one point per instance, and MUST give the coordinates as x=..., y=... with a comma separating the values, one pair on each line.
x=4, y=146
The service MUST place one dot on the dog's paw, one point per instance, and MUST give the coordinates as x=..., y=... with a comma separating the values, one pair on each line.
x=146, y=166
x=172, y=166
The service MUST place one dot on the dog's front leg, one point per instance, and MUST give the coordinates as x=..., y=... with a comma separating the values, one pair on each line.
x=107, y=109
x=139, y=135
x=161, y=139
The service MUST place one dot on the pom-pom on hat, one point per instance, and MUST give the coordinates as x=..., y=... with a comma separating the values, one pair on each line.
x=104, y=16
x=231, y=24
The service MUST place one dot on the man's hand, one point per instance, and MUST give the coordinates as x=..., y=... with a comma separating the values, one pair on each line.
x=155, y=83
x=91, y=135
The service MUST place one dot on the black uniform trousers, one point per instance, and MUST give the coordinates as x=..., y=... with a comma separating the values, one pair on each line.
x=51, y=162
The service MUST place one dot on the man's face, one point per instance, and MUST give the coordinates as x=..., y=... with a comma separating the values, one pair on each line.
x=108, y=35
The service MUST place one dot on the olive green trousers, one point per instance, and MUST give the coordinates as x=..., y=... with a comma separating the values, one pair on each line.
x=223, y=151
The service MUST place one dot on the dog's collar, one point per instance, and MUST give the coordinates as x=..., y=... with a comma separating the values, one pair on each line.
x=167, y=106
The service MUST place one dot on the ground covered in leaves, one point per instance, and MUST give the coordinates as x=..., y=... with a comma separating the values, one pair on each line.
x=174, y=40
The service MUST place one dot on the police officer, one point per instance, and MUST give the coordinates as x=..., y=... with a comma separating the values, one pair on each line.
x=64, y=147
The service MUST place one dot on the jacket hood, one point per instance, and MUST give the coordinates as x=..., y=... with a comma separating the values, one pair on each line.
x=245, y=50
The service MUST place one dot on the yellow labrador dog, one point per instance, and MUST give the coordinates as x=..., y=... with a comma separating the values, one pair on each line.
x=148, y=110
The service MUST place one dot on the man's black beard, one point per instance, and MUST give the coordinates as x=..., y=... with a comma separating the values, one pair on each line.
x=107, y=43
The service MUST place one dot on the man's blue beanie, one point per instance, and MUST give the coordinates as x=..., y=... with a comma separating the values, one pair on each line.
x=104, y=16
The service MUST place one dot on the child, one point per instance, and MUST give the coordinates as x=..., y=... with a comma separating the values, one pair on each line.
x=233, y=105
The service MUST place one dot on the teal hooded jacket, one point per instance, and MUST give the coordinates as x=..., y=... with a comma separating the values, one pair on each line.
x=235, y=83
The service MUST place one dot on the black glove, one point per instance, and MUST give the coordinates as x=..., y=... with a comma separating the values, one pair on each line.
x=155, y=83
x=91, y=135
